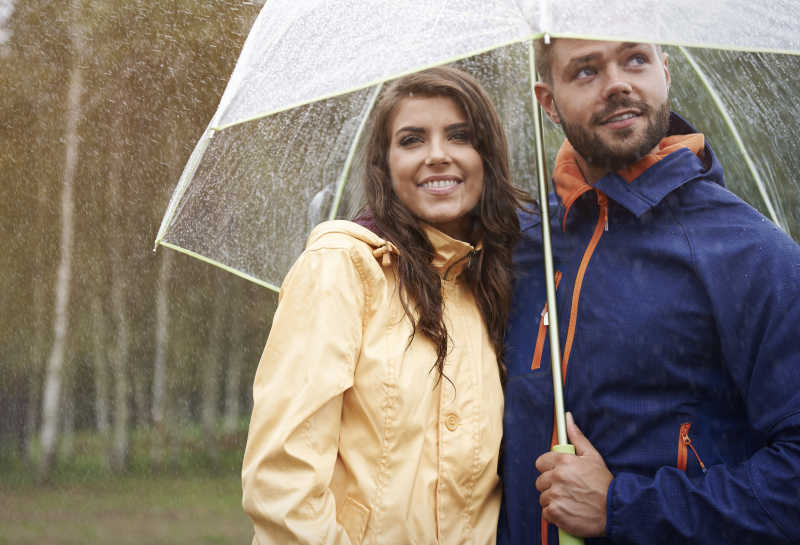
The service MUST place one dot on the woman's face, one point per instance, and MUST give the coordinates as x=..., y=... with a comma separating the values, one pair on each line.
x=435, y=170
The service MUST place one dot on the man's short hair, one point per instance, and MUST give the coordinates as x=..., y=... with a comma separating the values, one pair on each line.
x=543, y=58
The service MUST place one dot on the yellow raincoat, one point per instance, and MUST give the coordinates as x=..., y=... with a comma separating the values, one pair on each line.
x=351, y=440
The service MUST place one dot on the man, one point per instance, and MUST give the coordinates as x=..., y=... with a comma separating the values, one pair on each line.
x=680, y=329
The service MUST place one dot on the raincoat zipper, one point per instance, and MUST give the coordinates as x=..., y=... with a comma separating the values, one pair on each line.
x=602, y=225
x=544, y=322
x=684, y=444
x=599, y=229
x=469, y=255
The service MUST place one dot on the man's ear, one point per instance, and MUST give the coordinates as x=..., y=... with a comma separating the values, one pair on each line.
x=545, y=97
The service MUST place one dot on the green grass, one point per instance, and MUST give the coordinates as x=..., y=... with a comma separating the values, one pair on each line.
x=126, y=510
x=191, y=494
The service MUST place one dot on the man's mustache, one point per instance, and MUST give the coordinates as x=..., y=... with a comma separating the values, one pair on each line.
x=616, y=104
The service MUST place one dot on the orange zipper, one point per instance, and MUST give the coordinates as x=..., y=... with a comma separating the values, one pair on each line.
x=602, y=225
x=684, y=444
x=536, y=362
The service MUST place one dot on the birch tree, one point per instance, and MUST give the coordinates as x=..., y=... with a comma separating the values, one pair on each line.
x=54, y=370
x=120, y=435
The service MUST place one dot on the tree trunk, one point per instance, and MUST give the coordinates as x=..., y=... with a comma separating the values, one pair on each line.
x=162, y=338
x=120, y=425
x=53, y=374
x=160, y=359
x=100, y=366
x=213, y=356
x=119, y=365
x=67, y=443
x=234, y=376
x=37, y=357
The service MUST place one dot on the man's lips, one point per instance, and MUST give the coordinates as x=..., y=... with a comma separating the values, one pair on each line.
x=620, y=116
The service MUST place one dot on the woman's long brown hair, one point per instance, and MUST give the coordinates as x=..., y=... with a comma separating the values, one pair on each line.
x=494, y=218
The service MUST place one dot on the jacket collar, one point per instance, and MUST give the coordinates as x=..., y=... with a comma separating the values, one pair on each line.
x=681, y=156
x=451, y=256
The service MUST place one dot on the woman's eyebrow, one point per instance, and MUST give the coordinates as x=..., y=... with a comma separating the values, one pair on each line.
x=418, y=130
x=457, y=126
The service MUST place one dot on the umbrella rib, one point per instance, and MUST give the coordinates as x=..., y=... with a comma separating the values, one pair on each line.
x=737, y=137
x=352, y=151
x=222, y=266
x=186, y=176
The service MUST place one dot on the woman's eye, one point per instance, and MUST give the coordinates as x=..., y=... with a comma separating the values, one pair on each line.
x=460, y=136
x=409, y=140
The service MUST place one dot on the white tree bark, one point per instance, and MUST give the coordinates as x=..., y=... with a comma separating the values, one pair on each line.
x=55, y=362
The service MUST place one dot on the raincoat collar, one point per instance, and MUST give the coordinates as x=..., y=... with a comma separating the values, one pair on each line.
x=451, y=256
x=681, y=156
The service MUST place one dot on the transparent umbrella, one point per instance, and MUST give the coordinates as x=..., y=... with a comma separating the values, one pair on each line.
x=284, y=149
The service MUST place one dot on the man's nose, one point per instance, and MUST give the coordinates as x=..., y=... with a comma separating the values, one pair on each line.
x=616, y=83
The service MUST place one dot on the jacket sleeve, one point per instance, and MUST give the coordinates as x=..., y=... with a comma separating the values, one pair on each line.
x=307, y=364
x=752, y=276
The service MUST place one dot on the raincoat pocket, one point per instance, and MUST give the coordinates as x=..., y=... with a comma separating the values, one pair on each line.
x=353, y=516
x=684, y=446
x=536, y=362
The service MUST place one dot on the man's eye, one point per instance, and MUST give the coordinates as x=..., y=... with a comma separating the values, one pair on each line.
x=638, y=59
x=585, y=72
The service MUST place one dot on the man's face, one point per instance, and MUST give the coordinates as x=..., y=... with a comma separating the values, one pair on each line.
x=611, y=98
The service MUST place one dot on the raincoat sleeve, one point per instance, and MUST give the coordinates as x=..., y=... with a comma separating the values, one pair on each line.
x=753, y=280
x=306, y=366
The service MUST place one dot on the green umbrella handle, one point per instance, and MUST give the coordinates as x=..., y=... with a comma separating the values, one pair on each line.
x=565, y=538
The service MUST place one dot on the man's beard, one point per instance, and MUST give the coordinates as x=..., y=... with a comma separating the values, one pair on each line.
x=619, y=155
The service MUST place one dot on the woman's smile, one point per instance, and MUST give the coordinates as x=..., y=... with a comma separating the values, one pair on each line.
x=435, y=169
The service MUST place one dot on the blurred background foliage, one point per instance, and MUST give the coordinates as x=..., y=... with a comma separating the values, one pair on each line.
x=126, y=373
x=158, y=349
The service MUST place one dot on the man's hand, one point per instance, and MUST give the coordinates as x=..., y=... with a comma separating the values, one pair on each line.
x=574, y=488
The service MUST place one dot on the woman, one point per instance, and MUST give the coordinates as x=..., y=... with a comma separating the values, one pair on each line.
x=378, y=399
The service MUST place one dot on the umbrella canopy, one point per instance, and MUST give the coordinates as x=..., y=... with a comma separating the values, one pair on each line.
x=278, y=154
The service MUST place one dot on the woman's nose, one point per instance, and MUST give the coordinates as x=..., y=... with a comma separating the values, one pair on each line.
x=437, y=153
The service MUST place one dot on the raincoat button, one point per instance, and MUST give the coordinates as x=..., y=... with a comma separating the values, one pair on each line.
x=451, y=421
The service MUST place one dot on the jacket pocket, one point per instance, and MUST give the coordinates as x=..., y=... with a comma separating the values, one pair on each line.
x=353, y=516
x=536, y=362
x=684, y=446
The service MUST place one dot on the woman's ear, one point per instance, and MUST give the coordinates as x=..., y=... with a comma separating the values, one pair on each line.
x=545, y=97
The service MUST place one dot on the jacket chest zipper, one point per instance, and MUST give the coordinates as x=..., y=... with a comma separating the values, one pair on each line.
x=684, y=445
x=600, y=227
x=544, y=323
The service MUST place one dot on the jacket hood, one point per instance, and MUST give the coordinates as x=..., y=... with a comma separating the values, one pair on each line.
x=450, y=259
x=644, y=184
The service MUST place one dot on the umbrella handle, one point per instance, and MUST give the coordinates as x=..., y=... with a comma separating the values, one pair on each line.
x=565, y=538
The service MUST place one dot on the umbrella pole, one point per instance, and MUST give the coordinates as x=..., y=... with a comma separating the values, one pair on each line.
x=547, y=249
x=562, y=445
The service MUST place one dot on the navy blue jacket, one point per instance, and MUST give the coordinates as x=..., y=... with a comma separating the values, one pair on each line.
x=684, y=369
